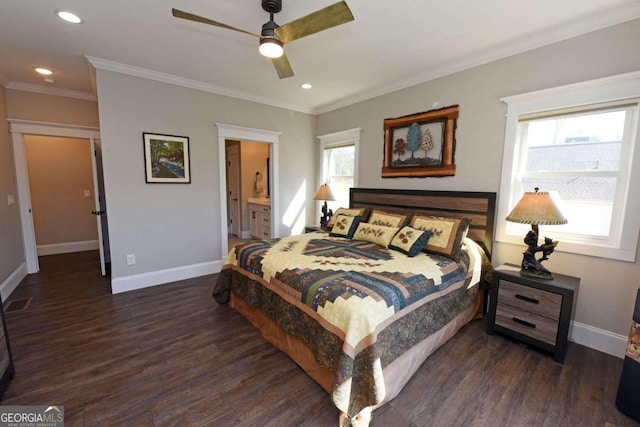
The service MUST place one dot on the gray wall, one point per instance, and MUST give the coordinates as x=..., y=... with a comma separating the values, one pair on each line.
x=608, y=288
x=174, y=225
x=11, y=249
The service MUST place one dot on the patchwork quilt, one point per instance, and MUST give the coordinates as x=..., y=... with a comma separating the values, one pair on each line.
x=355, y=304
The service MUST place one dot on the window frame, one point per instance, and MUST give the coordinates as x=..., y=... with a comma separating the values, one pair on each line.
x=336, y=140
x=622, y=244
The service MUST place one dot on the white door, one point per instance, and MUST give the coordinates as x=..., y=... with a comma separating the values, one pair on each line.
x=233, y=189
x=103, y=204
x=99, y=211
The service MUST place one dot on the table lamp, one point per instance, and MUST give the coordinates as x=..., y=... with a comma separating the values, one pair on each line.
x=324, y=193
x=536, y=208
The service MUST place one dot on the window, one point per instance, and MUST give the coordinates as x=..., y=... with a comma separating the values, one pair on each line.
x=338, y=171
x=338, y=164
x=577, y=142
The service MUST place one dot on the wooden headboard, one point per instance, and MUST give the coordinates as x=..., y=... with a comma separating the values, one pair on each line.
x=480, y=207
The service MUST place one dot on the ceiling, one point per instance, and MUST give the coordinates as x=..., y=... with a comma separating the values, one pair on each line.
x=389, y=45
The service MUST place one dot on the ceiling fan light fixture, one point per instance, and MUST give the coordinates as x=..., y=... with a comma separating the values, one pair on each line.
x=271, y=47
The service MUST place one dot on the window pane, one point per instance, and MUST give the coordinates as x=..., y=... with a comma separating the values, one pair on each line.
x=586, y=202
x=580, y=143
x=339, y=166
x=575, y=143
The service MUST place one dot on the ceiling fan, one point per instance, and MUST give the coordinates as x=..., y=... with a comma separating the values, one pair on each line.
x=273, y=36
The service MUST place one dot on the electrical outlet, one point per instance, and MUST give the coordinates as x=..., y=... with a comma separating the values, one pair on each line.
x=11, y=200
x=87, y=193
x=131, y=259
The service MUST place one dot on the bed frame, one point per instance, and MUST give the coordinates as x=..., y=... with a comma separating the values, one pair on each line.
x=478, y=206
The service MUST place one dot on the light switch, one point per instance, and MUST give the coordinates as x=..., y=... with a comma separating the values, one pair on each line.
x=11, y=200
x=87, y=193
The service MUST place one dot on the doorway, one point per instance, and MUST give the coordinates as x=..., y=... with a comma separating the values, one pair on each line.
x=23, y=129
x=247, y=182
x=239, y=133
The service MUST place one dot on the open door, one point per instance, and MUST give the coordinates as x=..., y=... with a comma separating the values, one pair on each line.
x=233, y=189
x=100, y=206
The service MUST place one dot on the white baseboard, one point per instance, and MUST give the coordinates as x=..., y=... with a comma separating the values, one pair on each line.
x=153, y=278
x=12, y=282
x=599, y=339
x=64, y=248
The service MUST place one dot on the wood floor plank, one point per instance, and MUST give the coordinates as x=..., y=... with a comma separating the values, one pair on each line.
x=171, y=356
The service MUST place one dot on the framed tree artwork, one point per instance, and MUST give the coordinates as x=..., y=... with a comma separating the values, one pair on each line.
x=166, y=158
x=420, y=144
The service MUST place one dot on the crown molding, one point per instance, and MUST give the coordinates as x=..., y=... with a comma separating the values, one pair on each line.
x=594, y=23
x=103, y=64
x=46, y=90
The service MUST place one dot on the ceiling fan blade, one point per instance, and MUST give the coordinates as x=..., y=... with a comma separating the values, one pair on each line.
x=282, y=66
x=191, y=17
x=336, y=14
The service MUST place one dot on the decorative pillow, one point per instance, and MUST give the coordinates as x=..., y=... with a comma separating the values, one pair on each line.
x=345, y=226
x=447, y=234
x=378, y=234
x=410, y=241
x=344, y=211
x=387, y=219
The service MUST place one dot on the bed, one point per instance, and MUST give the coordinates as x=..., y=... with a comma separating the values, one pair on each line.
x=358, y=317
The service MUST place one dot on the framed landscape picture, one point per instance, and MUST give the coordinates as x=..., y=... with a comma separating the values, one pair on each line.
x=420, y=145
x=166, y=158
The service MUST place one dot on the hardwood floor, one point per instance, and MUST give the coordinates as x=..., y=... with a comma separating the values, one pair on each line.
x=171, y=356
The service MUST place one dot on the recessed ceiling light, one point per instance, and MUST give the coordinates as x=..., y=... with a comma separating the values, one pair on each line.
x=43, y=71
x=48, y=80
x=306, y=86
x=69, y=17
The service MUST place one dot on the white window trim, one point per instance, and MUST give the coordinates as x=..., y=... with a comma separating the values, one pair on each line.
x=351, y=136
x=614, y=88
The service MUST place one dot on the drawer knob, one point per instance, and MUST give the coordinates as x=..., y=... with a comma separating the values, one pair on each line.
x=528, y=299
x=524, y=322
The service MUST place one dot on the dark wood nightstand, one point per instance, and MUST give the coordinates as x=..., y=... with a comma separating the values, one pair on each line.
x=535, y=311
x=312, y=228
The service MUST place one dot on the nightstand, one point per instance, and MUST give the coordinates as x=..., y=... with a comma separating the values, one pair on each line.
x=534, y=311
x=312, y=228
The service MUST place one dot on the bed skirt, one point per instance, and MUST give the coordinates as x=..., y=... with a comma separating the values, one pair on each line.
x=396, y=375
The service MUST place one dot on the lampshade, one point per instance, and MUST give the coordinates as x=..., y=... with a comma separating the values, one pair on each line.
x=537, y=208
x=271, y=47
x=324, y=193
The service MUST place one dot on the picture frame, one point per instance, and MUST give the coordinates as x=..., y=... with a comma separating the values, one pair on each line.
x=421, y=144
x=166, y=159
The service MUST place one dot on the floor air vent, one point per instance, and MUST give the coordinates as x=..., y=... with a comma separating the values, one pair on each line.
x=17, y=305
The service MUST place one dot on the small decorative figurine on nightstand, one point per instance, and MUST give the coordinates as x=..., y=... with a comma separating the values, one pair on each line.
x=537, y=208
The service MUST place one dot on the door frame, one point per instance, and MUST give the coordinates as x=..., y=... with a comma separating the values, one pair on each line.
x=241, y=133
x=18, y=129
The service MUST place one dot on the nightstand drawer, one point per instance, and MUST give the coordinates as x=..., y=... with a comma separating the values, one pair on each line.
x=532, y=325
x=530, y=299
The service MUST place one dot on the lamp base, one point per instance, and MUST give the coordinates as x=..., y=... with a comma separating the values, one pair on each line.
x=539, y=272
x=326, y=215
x=530, y=265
